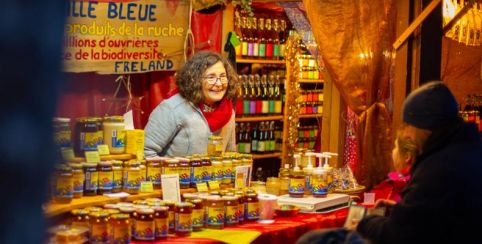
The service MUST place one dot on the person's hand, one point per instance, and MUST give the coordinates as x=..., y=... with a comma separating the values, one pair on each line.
x=351, y=225
x=384, y=203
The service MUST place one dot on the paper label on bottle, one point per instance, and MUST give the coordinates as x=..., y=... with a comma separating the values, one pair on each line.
x=215, y=215
x=218, y=172
x=91, y=181
x=103, y=149
x=62, y=138
x=252, y=211
x=197, y=175
x=231, y=216
x=89, y=141
x=132, y=179
x=161, y=227
x=64, y=188
x=172, y=219
x=198, y=217
x=241, y=212
x=296, y=185
x=118, y=138
x=206, y=174
x=78, y=181
x=117, y=181
x=318, y=186
x=144, y=230
x=183, y=222
x=184, y=175
x=106, y=180
x=154, y=174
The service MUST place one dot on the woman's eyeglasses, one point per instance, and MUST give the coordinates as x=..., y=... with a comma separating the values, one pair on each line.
x=211, y=80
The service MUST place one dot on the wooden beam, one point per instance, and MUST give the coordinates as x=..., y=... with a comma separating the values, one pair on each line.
x=400, y=40
x=457, y=16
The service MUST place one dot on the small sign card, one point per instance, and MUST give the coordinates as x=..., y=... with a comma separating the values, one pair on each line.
x=103, y=149
x=146, y=186
x=242, y=178
x=92, y=156
x=170, y=188
x=68, y=154
x=213, y=185
x=202, y=187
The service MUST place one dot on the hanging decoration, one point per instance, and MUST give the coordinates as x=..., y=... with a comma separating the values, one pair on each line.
x=293, y=105
x=463, y=21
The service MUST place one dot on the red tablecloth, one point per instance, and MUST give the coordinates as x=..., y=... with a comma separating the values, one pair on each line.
x=284, y=230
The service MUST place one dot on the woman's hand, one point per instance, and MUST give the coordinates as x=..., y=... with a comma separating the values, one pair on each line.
x=384, y=203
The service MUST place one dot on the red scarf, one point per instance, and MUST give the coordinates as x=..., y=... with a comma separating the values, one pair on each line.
x=220, y=116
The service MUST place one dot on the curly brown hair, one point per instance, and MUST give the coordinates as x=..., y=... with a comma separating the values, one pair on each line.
x=189, y=77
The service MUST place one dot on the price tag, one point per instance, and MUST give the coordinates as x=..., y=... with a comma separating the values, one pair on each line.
x=241, y=177
x=68, y=154
x=146, y=186
x=202, y=187
x=234, y=39
x=213, y=185
x=92, y=156
x=170, y=187
x=103, y=149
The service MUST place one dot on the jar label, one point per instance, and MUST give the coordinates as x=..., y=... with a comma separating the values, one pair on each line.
x=118, y=138
x=296, y=185
x=99, y=233
x=117, y=181
x=184, y=175
x=62, y=138
x=228, y=172
x=132, y=179
x=241, y=212
x=219, y=148
x=318, y=186
x=121, y=233
x=161, y=227
x=252, y=210
x=78, y=181
x=145, y=230
x=91, y=181
x=170, y=171
x=198, y=217
x=171, y=220
x=154, y=175
x=183, y=222
x=215, y=215
x=106, y=180
x=197, y=174
x=218, y=173
x=64, y=187
x=90, y=140
x=232, y=216
x=206, y=173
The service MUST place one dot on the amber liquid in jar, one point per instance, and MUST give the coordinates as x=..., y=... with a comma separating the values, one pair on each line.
x=197, y=214
x=215, y=212
x=144, y=225
x=91, y=179
x=117, y=170
x=161, y=220
x=171, y=216
x=80, y=218
x=132, y=178
x=99, y=227
x=296, y=184
x=154, y=172
x=252, y=207
x=197, y=171
x=231, y=208
x=184, y=171
x=120, y=228
x=241, y=205
x=183, y=216
x=106, y=177
x=215, y=146
x=78, y=178
x=63, y=189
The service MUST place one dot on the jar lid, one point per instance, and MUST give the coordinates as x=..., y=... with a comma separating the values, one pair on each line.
x=88, y=165
x=127, y=209
x=155, y=159
x=100, y=214
x=112, y=211
x=216, y=138
x=114, y=119
x=196, y=201
x=105, y=163
x=63, y=167
x=230, y=198
x=168, y=203
x=119, y=216
x=172, y=161
x=75, y=165
x=116, y=163
x=79, y=212
x=160, y=209
x=184, y=205
x=144, y=211
x=93, y=209
x=110, y=206
x=61, y=120
x=182, y=159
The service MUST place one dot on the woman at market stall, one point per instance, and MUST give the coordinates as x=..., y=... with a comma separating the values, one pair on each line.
x=200, y=107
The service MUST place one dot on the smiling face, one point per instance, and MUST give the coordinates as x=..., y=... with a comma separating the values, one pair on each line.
x=215, y=92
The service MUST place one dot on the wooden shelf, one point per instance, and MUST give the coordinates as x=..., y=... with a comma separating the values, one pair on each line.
x=54, y=209
x=310, y=81
x=269, y=155
x=259, y=118
x=307, y=116
x=122, y=157
x=259, y=61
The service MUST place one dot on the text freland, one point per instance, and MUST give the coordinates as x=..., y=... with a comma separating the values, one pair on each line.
x=115, y=10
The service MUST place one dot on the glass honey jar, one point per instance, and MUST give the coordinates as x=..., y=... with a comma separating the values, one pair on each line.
x=171, y=216
x=241, y=205
x=120, y=228
x=132, y=177
x=91, y=179
x=215, y=212
x=106, y=177
x=117, y=170
x=79, y=218
x=184, y=170
x=78, y=178
x=183, y=219
x=161, y=221
x=252, y=207
x=197, y=214
x=99, y=227
x=144, y=225
x=197, y=171
x=231, y=209
x=206, y=169
x=154, y=172
x=215, y=146
x=63, y=188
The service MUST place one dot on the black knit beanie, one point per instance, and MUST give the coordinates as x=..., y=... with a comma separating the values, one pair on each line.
x=430, y=106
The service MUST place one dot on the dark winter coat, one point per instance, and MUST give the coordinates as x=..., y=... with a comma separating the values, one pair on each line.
x=442, y=202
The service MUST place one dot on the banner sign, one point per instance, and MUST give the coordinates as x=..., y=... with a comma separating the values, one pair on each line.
x=124, y=37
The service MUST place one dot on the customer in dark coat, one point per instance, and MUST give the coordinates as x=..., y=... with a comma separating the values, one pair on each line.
x=442, y=202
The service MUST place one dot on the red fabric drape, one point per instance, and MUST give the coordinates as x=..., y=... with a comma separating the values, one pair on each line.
x=206, y=29
x=354, y=39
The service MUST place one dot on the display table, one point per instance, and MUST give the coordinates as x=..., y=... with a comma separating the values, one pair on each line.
x=283, y=230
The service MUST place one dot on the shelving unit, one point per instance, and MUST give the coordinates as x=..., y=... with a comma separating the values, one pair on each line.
x=259, y=118
x=122, y=157
x=268, y=155
x=54, y=209
x=308, y=81
x=310, y=116
x=259, y=61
